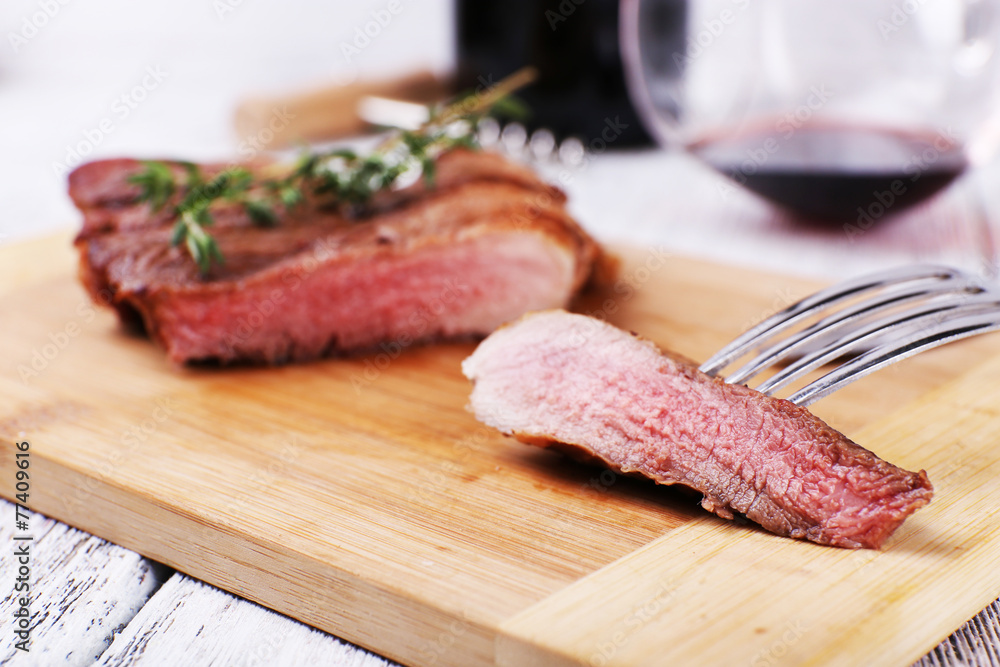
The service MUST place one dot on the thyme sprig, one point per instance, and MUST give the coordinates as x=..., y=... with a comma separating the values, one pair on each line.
x=340, y=178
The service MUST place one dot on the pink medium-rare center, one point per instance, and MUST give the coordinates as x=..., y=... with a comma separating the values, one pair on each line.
x=441, y=291
x=564, y=380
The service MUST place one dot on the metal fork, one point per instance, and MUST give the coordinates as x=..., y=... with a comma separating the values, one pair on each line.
x=872, y=321
x=511, y=138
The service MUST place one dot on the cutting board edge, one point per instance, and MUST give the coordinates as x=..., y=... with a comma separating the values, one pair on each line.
x=370, y=600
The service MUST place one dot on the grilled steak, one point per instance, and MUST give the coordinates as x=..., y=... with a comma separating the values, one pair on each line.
x=490, y=242
x=579, y=384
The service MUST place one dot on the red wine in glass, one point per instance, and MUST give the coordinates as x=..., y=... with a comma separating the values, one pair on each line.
x=838, y=174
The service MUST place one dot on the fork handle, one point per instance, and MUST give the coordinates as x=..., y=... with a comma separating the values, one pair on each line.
x=327, y=113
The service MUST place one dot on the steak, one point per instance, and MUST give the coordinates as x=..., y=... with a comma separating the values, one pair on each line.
x=581, y=385
x=488, y=243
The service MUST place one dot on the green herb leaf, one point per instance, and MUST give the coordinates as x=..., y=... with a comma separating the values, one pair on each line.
x=179, y=233
x=261, y=213
x=338, y=177
x=156, y=184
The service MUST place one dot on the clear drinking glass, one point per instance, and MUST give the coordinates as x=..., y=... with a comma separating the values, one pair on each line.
x=842, y=110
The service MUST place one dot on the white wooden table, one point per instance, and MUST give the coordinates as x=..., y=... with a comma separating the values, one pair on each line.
x=97, y=603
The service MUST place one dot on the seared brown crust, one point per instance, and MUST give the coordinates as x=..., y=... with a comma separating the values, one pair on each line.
x=126, y=259
x=108, y=201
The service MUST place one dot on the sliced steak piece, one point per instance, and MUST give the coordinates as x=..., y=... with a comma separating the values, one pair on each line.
x=579, y=384
x=490, y=242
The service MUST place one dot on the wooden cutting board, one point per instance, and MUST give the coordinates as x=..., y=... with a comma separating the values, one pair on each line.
x=360, y=497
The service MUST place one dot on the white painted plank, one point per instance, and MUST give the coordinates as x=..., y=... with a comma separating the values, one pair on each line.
x=191, y=623
x=975, y=644
x=83, y=590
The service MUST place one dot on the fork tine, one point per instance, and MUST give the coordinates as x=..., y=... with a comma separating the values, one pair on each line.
x=901, y=328
x=884, y=355
x=832, y=326
x=823, y=299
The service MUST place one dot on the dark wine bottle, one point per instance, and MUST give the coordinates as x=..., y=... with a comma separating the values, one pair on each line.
x=574, y=45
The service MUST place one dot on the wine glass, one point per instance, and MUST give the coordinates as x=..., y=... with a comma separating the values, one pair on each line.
x=848, y=111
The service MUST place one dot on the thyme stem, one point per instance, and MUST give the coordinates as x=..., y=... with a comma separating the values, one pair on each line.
x=340, y=177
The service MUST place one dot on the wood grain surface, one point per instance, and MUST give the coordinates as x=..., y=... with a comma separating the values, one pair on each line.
x=357, y=494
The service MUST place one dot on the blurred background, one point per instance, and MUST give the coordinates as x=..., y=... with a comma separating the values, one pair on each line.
x=156, y=79
x=167, y=76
